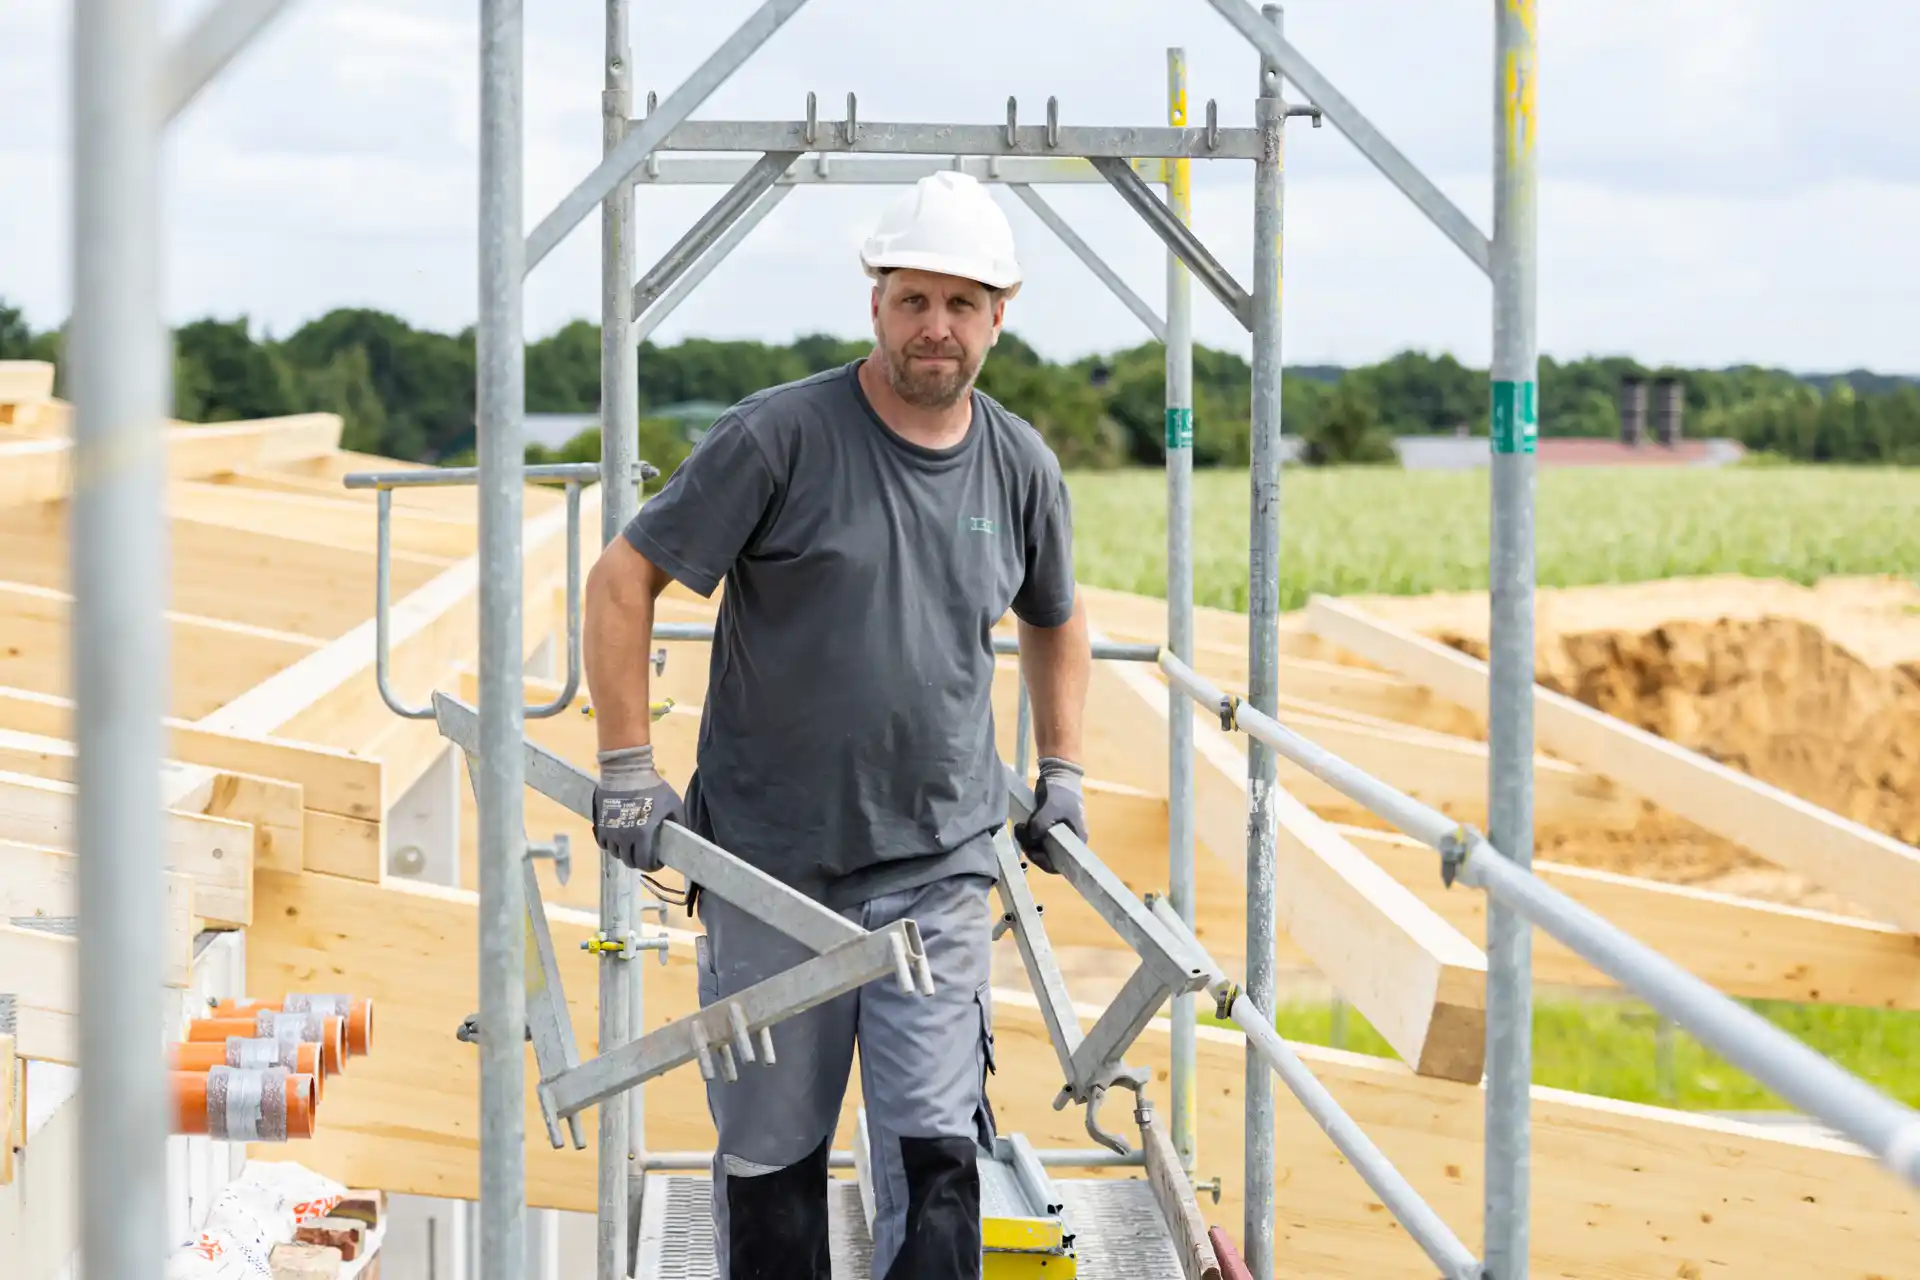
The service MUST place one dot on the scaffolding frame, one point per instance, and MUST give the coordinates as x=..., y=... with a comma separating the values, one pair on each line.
x=126, y=88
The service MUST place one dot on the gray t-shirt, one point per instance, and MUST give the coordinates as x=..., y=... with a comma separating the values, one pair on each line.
x=847, y=742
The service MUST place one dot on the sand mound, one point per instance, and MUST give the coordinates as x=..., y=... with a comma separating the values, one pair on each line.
x=1772, y=697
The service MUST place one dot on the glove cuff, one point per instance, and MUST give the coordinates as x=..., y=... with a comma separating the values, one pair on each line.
x=1061, y=774
x=626, y=768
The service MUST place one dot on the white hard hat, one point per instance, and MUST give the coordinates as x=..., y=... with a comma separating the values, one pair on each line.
x=947, y=223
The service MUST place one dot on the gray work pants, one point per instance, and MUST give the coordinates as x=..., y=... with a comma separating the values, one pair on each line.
x=923, y=1065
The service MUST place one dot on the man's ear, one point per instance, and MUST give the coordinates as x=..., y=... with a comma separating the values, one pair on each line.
x=999, y=317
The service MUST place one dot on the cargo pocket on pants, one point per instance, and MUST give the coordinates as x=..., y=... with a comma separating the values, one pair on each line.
x=983, y=1114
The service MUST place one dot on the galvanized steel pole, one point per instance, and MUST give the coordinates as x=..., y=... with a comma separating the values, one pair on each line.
x=502, y=764
x=1180, y=828
x=118, y=569
x=1510, y=681
x=622, y=1136
x=1263, y=640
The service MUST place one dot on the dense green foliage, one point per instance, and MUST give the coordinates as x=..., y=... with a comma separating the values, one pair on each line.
x=1360, y=530
x=408, y=393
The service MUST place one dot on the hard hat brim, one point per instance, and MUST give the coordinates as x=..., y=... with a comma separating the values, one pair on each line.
x=938, y=264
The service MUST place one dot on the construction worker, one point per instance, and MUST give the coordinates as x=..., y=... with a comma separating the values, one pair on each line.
x=871, y=523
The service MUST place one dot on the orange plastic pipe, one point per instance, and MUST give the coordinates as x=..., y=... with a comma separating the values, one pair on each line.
x=357, y=1011
x=204, y=1055
x=196, y=1114
x=329, y=1033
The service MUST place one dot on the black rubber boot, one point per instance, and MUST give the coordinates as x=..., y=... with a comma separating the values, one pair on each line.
x=943, y=1211
x=777, y=1222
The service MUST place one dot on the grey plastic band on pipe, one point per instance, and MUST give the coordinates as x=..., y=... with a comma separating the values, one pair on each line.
x=254, y=1054
x=235, y=1099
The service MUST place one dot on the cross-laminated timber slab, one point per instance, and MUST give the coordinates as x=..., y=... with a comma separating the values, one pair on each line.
x=1619, y=1189
x=1873, y=870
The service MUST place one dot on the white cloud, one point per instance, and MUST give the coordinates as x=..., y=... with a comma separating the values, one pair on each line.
x=1721, y=181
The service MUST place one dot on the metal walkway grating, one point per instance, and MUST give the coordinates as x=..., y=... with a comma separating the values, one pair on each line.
x=1116, y=1224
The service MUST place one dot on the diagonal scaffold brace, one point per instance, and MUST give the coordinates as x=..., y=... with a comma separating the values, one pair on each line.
x=723, y=1036
x=1092, y=1063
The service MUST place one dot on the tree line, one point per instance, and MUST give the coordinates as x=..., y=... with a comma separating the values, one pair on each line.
x=409, y=393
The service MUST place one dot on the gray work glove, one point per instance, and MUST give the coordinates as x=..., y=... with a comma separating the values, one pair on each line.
x=1056, y=800
x=630, y=804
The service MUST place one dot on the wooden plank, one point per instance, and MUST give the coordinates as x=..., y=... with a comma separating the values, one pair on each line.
x=10, y=1073
x=34, y=471
x=330, y=521
x=42, y=971
x=1618, y=1190
x=1173, y=1190
x=211, y=660
x=40, y=471
x=216, y=853
x=38, y=419
x=329, y=696
x=273, y=808
x=1873, y=870
x=341, y=846
x=36, y=881
x=24, y=380
x=1750, y=949
x=332, y=781
x=264, y=579
x=1412, y=975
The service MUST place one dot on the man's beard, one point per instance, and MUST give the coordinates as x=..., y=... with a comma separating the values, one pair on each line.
x=939, y=387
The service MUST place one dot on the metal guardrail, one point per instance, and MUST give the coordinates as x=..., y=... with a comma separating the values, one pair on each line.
x=573, y=474
x=1811, y=1082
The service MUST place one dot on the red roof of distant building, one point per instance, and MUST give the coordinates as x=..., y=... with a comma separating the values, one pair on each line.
x=1578, y=451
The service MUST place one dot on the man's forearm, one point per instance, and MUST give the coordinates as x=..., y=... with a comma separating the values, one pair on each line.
x=1056, y=663
x=617, y=631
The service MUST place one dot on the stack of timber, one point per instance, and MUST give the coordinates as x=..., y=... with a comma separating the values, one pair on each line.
x=289, y=783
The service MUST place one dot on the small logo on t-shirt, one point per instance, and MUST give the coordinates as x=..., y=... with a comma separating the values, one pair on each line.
x=979, y=524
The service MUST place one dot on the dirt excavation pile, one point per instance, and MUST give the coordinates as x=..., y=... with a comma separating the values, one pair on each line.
x=1772, y=696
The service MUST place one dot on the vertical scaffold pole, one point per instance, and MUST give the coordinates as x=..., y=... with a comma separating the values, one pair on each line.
x=1180, y=873
x=622, y=1137
x=1263, y=639
x=118, y=540
x=501, y=402
x=1510, y=718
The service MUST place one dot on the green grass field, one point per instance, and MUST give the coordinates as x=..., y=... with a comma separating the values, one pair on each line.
x=1609, y=1048
x=1371, y=530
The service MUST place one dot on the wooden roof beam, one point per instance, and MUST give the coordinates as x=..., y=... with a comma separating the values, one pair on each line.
x=418, y=537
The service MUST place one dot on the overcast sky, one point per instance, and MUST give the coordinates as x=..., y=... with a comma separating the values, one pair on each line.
x=1721, y=180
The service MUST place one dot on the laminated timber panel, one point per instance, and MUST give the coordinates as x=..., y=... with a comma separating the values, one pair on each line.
x=37, y=881
x=332, y=782
x=212, y=661
x=1619, y=1190
x=329, y=697
x=328, y=521
x=216, y=853
x=1755, y=950
x=330, y=470
x=262, y=579
x=1873, y=870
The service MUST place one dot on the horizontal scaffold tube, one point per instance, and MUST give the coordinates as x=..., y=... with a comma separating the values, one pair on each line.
x=1810, y=1082
x=1427, y=1228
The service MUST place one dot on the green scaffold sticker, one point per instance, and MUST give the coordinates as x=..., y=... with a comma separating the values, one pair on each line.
x=1179, y=428
x=1516, y=420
